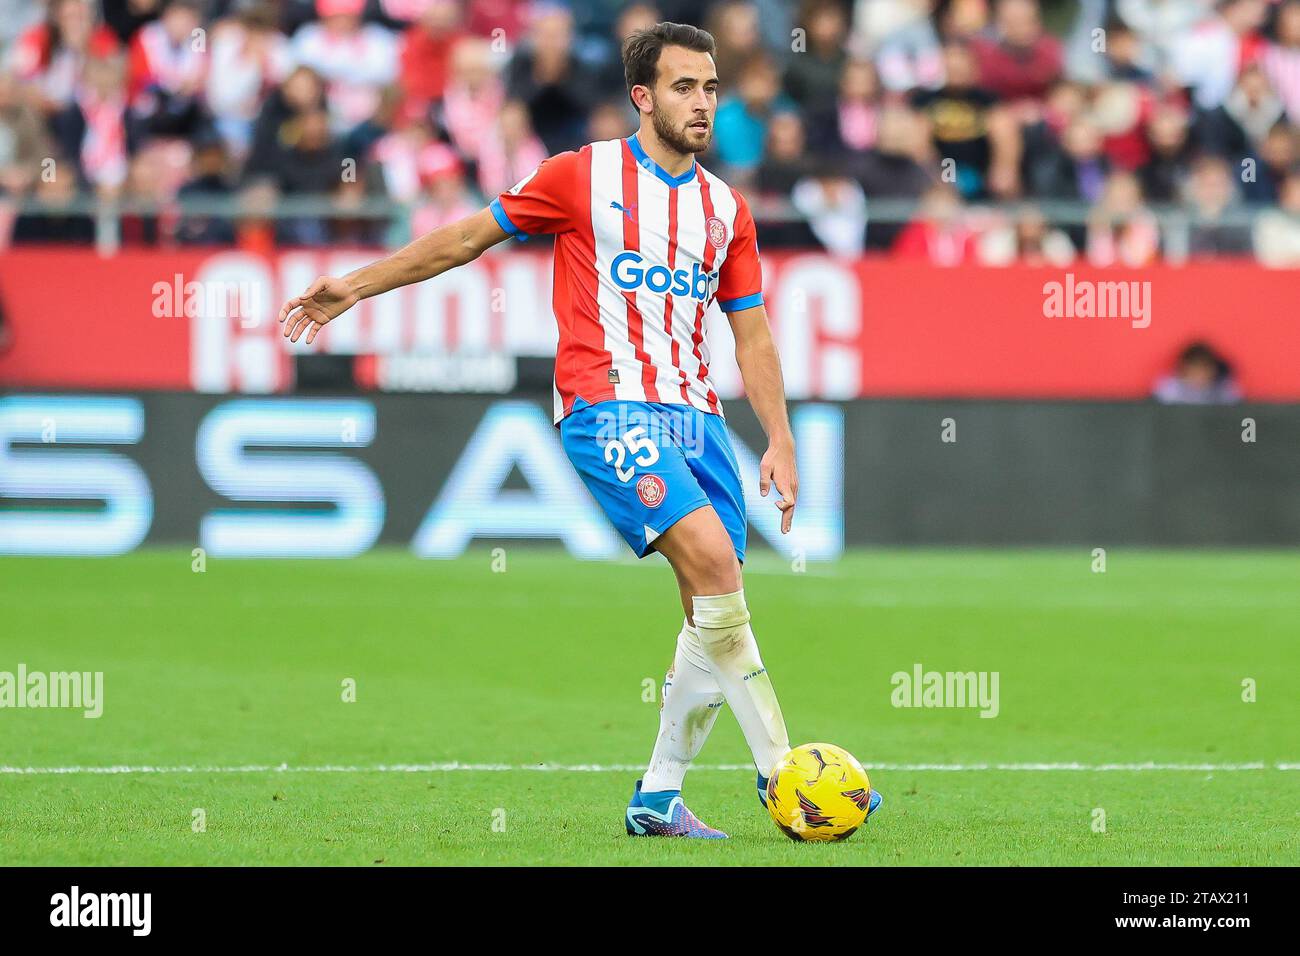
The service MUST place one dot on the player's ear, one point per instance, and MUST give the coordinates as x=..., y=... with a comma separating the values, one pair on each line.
x=642, y=99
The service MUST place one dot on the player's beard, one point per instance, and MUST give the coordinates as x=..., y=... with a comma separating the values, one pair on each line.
x=676, y=138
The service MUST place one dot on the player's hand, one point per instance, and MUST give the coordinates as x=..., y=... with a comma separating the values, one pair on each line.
x=325, y=299
x=778, y=468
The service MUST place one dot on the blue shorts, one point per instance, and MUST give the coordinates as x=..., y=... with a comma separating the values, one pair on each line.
x=649, y=465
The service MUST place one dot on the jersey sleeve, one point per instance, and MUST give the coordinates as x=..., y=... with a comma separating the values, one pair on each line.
x=740, y=285
x=542, y=202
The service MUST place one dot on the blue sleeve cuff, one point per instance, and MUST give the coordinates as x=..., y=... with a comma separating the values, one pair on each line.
x=499, y=214
x=744, y=302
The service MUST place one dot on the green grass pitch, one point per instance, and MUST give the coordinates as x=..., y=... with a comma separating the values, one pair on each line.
x=232, y=681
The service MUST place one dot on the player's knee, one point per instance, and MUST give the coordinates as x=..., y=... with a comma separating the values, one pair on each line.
x=702, y=555
x=719, y=567
x=718, y=575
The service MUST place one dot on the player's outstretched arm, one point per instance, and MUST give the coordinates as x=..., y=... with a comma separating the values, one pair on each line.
x=432, y=254
x=760, y=367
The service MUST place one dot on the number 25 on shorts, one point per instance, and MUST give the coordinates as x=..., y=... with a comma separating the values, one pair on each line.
x=634, y=444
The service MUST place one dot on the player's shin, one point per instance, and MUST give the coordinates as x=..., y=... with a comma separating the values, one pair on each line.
x=690, y=704
x=722, y=622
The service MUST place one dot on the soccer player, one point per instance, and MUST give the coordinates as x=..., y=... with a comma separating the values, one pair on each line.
x=645, y=240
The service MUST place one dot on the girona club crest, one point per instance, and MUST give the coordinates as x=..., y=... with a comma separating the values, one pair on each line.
x=717, y=231
x=651, y=490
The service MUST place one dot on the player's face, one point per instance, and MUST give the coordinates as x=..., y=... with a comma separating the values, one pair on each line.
x=685, y=99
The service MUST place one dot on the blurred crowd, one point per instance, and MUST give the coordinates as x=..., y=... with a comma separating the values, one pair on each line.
x=1047, y=132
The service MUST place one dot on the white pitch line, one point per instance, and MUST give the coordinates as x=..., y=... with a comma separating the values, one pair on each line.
x=636, y=768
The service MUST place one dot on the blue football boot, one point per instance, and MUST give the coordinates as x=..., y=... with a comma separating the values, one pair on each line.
x=668, y=817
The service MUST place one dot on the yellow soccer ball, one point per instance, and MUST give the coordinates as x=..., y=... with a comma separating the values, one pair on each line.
x=818, y=792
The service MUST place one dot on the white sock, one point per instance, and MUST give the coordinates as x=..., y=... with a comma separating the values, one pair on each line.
x=689, y=707
x=722, y=621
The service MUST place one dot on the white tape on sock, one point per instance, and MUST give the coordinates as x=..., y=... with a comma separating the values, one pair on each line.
x=714, y=611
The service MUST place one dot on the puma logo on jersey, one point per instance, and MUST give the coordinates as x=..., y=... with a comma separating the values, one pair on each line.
x=625, y=210
x=514, y=190
x=629, y=272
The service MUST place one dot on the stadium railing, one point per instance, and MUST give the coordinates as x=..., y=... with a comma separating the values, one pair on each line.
x=1175, y=222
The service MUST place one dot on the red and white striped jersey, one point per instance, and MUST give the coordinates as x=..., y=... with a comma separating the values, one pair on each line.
x=639, y=257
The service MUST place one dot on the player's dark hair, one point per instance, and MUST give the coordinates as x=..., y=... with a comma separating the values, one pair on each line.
x=641, y=50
